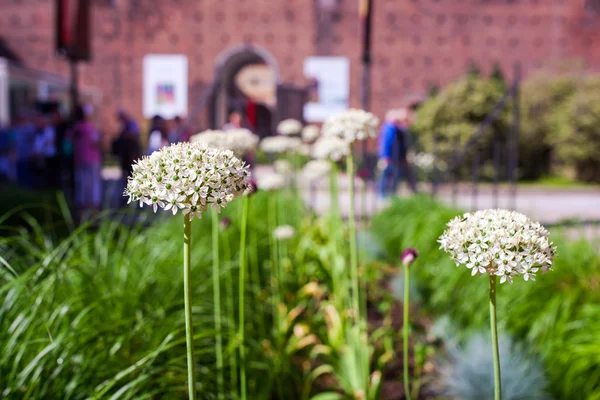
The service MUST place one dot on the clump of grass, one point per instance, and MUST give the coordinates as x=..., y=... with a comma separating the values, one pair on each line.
x=551, y=316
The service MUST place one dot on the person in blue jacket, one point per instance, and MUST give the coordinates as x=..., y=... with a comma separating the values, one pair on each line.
x=392, y=151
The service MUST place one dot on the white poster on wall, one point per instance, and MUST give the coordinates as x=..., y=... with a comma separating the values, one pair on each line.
x=329, y=88
x=165, y=85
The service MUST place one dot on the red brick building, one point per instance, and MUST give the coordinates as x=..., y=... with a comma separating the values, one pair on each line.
x=416, y=43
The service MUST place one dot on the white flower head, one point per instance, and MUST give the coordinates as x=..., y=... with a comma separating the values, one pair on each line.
x=212, y=138
x=330, y=148
x=316, y=169
x=240, y=141
x=272, y=181
x=352, y=125
x=310, y=133
x=284, y=232
x=283, y=167
x=289, y=127
x=499, y=242
x=424, y=161
x=280, y=144
x=189, y=177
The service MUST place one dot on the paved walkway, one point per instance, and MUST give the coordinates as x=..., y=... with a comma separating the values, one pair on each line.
x=548, y=205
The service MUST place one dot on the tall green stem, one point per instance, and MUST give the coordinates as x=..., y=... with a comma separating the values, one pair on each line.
x=274, y=275
x=255, y=272
x=352, y=234
x=217, y=302
x=363, y=190
x=189, y=329
x=405, y=330
x=230, y=307
x=494, y=328
x=241, y=283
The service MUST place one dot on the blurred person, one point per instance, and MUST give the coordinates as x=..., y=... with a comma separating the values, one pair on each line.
x=44, y=152
x=64, y=148
x=127, y=144
x=87, y=152
x=7, y=154
x=157, y=134
x=393, y=146
x=180, y=132
x=235, y=121
x=24, y=136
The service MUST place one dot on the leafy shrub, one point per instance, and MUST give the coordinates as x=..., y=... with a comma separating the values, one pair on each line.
x=455, y=113
x=559, y=123
x=559, y=311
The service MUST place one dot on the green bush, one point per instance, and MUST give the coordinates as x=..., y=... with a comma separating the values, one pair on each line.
x=455, y=113
x=559, y=122
x=575, y=138
x=557, y=315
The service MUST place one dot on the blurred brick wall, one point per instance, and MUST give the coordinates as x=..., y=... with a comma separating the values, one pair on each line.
x=416, y=43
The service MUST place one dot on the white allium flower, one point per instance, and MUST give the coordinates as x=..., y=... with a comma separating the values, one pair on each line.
x=189, y=177
x=240, y=141
x=424, y=161
x=310, y=133
x=283, y=167
x=284, y=232
x=304, y=149
x=330, y=148
x=289, y=127
x=316, y=169
x=352, y=125
x=499, y=242
x=212, y=138
x=280, y=144
x=272, y=181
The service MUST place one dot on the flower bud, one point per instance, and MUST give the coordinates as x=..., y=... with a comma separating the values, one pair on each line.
x=408, y=256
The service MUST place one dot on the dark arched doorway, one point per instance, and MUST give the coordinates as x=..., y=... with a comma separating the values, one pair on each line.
x=247, y=78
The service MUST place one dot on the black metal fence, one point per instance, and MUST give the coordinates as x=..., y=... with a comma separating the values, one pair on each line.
x=466, y=161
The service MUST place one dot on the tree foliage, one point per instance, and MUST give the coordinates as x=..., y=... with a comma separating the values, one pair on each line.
x=559, y=129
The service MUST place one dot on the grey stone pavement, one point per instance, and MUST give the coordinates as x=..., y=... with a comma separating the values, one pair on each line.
x=547, y=205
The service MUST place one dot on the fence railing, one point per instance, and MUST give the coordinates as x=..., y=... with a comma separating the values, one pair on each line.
x=471, y=153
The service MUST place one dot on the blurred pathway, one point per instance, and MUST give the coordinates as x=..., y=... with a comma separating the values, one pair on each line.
x=548, y=205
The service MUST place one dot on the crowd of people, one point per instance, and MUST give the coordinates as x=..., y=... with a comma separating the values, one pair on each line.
x=45, y=149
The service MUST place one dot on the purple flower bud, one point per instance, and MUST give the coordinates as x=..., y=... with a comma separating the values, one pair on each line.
x=408, y=256
x=251, y=188
x=225, y=222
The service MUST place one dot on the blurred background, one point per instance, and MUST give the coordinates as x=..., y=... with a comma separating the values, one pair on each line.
x=513, y=81
x=494, y=103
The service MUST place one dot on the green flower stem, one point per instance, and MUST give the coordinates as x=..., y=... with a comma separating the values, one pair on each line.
x=217, y=302
x=405, y=329
x=334, y=228
x=189, y=329
x=334, y=200
x=255, y=278
x=274, y=277
x=230, y=307
x=363, y=189
x=242, y=280
x=494, y=328
x=352, y=234
x=299, y=200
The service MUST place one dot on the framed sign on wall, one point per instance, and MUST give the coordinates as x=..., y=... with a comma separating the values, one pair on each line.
x=165, y=85
x=329, y=89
